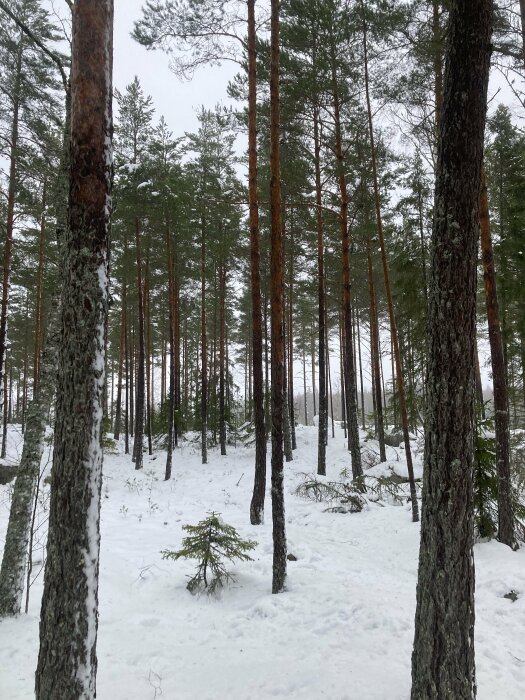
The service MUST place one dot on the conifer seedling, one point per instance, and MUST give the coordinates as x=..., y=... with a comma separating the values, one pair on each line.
x=211, y=542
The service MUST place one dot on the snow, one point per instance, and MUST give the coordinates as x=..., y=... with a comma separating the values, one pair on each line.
x=342, y=630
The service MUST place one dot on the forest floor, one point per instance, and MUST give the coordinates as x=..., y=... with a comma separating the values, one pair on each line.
x=343, y=630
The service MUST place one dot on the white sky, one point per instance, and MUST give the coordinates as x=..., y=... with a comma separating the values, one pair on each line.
x=177, y=101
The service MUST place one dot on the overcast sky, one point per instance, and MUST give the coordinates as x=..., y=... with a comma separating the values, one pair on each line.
x=177, y=101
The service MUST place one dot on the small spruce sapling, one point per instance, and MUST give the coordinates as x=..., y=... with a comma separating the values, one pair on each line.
x=211, y=542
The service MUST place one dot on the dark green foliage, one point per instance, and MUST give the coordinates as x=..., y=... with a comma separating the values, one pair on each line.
x=211, y=542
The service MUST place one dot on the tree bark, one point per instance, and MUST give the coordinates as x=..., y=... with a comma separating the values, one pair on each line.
x=204, y=359
x=68, y=623
x=121, y=360
x=501, y=401
x=443, y=655
x=222, y=354
x=171, y=397
x=277, y=314
x=259, y=486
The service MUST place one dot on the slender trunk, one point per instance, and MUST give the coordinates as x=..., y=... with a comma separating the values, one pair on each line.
x=277, y=314
x=304, y=387
x=204, y=359
x=147, y=320
x=360, y=370
x=443, y=654
x=374, y=352
x=10, y=216
x=140, y=384
x=122, y=351
x=501, y=402
x=171, y=397
x=291, y=408
x=222, y=347
x=321, y=437
x=3, y=451
x=67, y=659
x=39, y=285
x=388, y=289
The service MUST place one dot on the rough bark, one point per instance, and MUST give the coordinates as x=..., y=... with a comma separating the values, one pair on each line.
x=204, y=358
x=277, y=314
x=501, y=401
x=443, y=655
x=68, y=623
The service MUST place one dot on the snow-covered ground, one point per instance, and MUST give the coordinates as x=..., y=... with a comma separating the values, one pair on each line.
x=342, y=630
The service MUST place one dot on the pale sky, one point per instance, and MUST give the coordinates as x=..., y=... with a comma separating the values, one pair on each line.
x=177, y=101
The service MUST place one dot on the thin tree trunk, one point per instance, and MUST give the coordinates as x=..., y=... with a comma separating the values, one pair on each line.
x=67, y=659
x=222, y=343
x=388, y=289
x=501, y=402
x=147, y=320
x=122, y=352
x=277, y=314
x=443, y=655
x=259, y=485
x=171, y=397
x=39, y=286
x=374, y=352
x=140, y=384
x=204, y=359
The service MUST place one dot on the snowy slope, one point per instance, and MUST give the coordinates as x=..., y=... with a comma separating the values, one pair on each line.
x=343, y=630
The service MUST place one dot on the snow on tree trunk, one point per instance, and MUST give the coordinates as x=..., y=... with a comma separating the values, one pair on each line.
x=69, y=617
x=443, y=655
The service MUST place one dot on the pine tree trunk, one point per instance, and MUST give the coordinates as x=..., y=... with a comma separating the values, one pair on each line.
x=10, y=214
x=140, y=383
x=259, y=486
x=68, y=623
x=39, y=285
x=321, y=437
x=388, y=289
x=222, y=343
x=171, y=397
x=374, y=352
x=443, y=655
x=348, y=355
x=147, y=321
x=204, y=359
x=277, y=313
x=290, y=393
x=122, y=351
x=501, y=402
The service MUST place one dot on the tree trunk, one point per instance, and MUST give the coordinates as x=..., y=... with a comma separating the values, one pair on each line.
x=348, y=355
x=501, y=402
x=222, y=344
x=374, y=351
x=39, y=286
x=204, y=359
x=443, y=655
x=140, y=383
x=10, y=215
x=277, y=313
x=68, y=623
x=147, y=321
x=259, y=486
x=388, y=289
x=171, y=397
x=122, y=352
x=321, y=437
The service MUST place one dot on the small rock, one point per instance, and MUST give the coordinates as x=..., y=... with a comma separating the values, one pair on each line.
x=511, y=595
x=291, y=557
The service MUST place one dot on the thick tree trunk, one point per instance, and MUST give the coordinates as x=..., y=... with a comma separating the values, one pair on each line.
x=443, y=655
x=277, y=314
x=68, y=623
x=388, y=289
x=140, y=383
x=259, y=486
x=501, y=402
